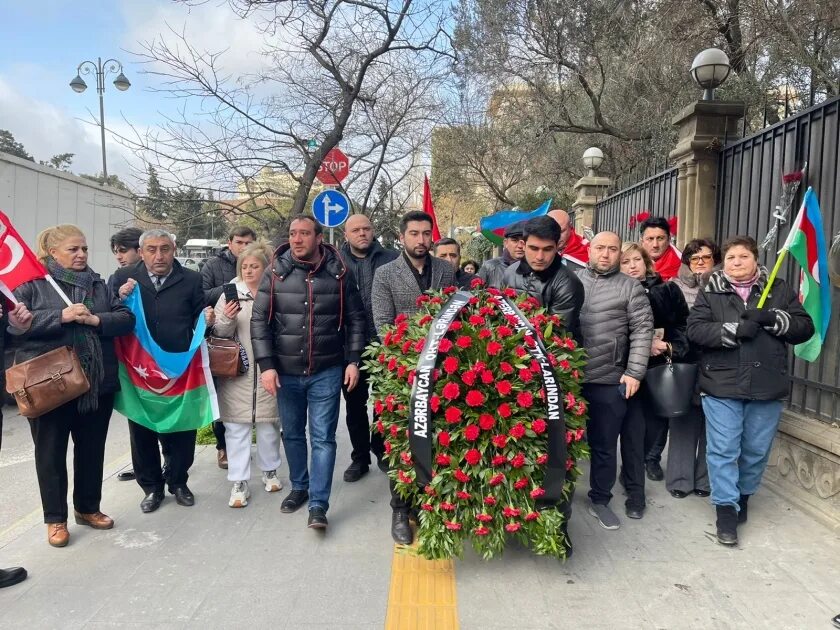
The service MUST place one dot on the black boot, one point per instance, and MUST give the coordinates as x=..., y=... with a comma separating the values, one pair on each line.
x=400, y=529
x=654, y=471
x=742, y=511
x=727, y=525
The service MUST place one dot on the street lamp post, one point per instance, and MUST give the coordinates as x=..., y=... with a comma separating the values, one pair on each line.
x=100, y=69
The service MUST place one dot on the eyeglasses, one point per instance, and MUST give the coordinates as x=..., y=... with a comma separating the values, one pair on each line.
x=703, y=258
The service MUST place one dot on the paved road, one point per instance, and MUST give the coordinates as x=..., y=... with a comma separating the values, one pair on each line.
x=19, y=487
x=211, y=567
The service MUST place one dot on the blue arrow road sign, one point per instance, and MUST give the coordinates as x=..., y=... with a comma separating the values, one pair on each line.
x=331, y=208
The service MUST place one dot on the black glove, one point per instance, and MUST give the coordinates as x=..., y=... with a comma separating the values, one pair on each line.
x=747, y=329
x=760, y=316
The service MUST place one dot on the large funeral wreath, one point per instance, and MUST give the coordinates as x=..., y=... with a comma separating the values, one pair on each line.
x=491, y=431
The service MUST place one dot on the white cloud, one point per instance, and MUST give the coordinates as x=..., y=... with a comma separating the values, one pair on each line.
x=46, y=130
x=207, y=27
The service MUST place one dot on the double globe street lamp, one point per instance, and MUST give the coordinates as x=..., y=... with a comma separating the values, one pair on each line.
x=100, y=69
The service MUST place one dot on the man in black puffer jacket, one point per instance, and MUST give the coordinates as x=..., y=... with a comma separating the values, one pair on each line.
x=308, y=332
x=541, y=274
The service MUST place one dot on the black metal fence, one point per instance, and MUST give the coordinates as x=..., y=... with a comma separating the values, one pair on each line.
x=656, y=194
x=749, y=187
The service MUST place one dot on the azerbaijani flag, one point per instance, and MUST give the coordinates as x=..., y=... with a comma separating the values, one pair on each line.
x=806, y=243
x=164, y=391
x=493, y=227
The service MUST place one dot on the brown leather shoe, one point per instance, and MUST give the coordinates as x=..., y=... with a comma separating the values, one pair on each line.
x=57, y=534
x=221, y=458
x=97, y=520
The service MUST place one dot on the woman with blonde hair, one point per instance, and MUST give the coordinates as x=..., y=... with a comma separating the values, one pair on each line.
x=89, y=325
x=243, y=403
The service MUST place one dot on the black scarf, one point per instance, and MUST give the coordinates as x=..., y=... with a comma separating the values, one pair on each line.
x=85, y=340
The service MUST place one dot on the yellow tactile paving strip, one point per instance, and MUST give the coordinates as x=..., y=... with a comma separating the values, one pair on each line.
x=422, y=593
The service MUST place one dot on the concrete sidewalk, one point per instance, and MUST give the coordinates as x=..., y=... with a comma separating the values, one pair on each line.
x=211, y=566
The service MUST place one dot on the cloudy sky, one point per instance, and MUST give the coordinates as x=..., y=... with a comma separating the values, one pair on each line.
x=43, y=42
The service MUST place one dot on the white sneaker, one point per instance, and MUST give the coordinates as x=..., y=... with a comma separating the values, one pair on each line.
x=271, y=482
x=239, y=495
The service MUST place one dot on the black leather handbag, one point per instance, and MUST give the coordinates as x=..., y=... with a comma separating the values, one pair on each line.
x=671, y=388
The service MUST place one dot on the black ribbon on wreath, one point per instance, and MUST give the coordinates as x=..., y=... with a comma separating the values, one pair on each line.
x=420, y=435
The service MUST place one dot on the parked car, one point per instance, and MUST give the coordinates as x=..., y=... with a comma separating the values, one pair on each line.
x=189, y=263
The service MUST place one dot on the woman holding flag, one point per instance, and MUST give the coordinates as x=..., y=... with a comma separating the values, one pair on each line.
x=742, y=322
x=89, y=324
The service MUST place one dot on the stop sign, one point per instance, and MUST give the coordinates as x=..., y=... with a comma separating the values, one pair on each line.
x=334, y=168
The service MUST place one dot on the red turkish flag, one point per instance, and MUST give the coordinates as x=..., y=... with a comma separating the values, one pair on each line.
x=18, y=264
x=429, y=209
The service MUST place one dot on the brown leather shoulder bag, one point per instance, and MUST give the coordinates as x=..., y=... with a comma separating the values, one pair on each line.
x=224, y=356
x=47, y=381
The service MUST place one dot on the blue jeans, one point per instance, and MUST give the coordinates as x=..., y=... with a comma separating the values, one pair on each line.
x=320, y=395
x=739, y=434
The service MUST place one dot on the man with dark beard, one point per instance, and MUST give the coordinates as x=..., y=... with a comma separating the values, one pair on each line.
x=396, y=287
x=363, y=255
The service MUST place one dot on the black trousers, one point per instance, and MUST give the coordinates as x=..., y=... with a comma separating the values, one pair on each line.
x=358, y=426
x=179, y=448
x=398, y=504
x=219, y=432
x=611, y=417
x=656, y=428
x=51, y=433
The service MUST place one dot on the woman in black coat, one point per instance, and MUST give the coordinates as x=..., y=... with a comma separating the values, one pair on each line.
x=687, y=471
x=743, y=374
x=669, y=320
x=88, y=325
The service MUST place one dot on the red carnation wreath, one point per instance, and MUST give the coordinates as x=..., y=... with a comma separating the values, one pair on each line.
x=489, y=422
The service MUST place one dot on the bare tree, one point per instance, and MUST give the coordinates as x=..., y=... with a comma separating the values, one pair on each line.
x=363, y=73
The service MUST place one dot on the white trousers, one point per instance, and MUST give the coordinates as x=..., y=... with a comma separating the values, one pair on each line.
x=238, y=442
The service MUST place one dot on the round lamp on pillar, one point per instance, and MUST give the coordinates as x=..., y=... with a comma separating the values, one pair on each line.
x=709, y=70
x=593, y=157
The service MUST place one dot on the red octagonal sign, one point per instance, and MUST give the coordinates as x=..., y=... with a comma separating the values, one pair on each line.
x=334, y=168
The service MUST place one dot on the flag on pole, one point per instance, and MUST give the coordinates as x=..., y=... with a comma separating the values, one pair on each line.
x=493, y=227
x=429, y=209
x=806, y=243
x=18, y=263
x=164, y=391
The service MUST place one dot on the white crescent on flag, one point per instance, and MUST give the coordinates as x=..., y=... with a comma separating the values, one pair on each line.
x=12, y=251
x=168, y=383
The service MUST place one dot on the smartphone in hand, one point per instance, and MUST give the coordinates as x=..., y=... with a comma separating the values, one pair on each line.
x=230, y=292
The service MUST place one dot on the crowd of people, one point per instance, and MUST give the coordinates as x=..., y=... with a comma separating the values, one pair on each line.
x=304, y=313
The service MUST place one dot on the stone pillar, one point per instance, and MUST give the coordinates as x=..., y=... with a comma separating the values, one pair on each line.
x=703, y=128
x=588, y=191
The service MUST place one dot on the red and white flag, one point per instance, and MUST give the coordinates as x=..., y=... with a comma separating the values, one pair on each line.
x=18, y=263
